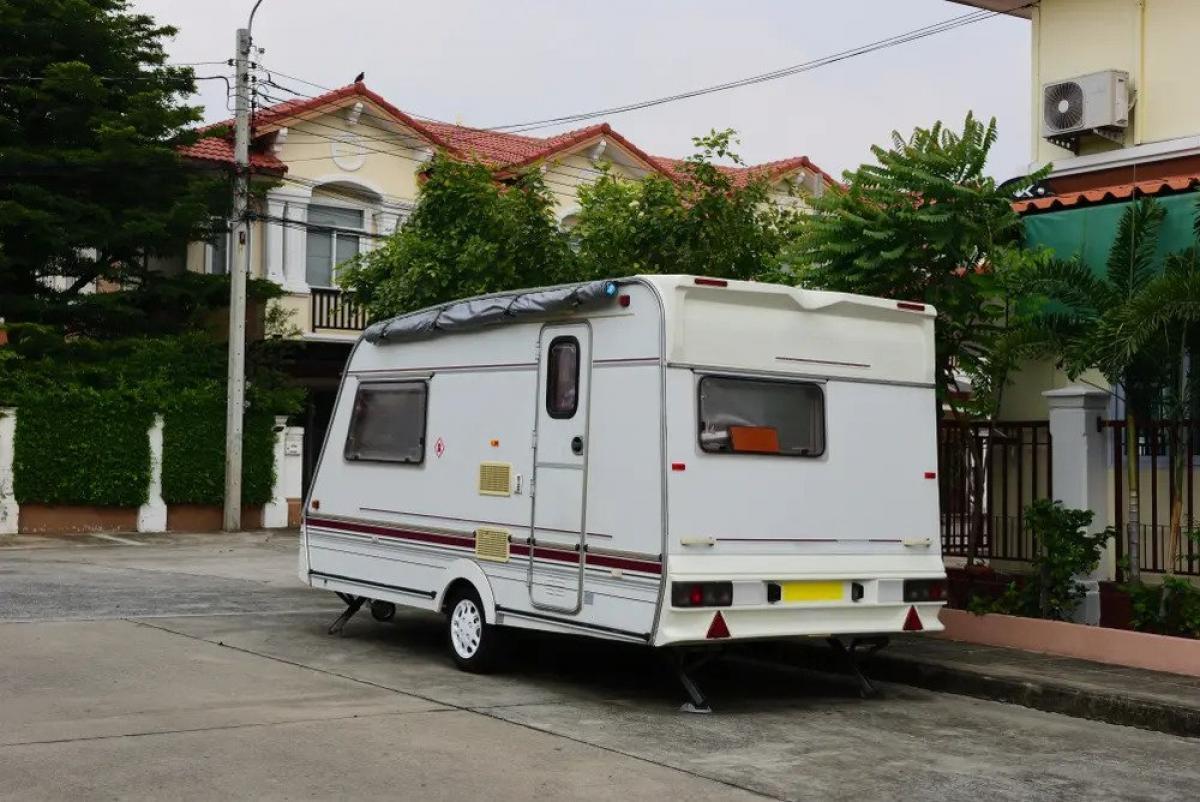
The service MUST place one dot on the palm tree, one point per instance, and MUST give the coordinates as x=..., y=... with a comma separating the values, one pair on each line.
x=1165, y=318
x=1089, y=322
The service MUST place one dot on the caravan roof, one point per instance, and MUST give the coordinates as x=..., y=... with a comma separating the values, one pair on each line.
x=721, y=323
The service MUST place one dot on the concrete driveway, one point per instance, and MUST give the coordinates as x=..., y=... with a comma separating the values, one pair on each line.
x=196, y=667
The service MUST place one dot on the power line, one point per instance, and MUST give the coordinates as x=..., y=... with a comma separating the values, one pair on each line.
x=795, y=69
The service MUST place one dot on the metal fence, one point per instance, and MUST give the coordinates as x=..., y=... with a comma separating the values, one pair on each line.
x=1157, y=441
x=988, y=473
x=332, y=309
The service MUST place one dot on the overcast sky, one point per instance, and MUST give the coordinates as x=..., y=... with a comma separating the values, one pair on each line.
x=490, y=62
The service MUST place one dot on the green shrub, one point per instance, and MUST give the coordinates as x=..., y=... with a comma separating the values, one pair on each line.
x=82, y=447
x=1062, y=550
x=84, y=407
x=1176, y=614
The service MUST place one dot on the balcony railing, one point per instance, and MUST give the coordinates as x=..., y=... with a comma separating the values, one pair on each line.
x=332, y=310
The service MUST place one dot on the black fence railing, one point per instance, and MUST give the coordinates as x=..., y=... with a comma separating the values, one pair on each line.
x=332, y=309
x=1158, y=442
x=988, y=473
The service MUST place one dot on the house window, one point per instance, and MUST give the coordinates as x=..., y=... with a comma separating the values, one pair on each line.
x=761, y=417
x=218, y=252
x=562, y=383
x=387, y=423
x=333, y=238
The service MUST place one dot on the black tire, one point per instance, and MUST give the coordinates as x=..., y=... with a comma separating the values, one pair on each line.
x=474, y=644
x=382, y=610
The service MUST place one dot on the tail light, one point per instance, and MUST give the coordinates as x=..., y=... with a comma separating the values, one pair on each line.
x=924, y=590
x=701, y=594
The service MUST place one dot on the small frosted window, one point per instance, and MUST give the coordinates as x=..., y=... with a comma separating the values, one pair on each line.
x=388, y=423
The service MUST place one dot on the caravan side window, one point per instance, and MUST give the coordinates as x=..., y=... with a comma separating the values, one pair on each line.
x=756, y=416
x=388, y=422
x=562, y=377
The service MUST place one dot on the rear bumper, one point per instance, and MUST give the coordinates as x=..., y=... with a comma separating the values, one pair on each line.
x=749, y=623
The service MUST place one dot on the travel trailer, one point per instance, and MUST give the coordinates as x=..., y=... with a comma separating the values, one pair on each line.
x=666, y=460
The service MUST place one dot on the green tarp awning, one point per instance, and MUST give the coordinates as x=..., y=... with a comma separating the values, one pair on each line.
x=1089, y=231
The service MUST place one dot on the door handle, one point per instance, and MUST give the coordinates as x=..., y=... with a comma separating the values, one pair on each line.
x=577, y=444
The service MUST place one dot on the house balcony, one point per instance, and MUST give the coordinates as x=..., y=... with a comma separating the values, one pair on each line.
x=325, y=313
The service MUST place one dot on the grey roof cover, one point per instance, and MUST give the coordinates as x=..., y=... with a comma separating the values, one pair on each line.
x=489, y=310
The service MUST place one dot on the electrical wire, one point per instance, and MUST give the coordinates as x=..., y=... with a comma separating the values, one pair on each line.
x=795, y=69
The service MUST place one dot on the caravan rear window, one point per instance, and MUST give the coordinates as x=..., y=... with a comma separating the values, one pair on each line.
x=755, y=416
x=388, y=422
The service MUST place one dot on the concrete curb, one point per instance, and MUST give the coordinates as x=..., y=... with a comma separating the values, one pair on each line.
x=1048, y=696
x=1051, y=697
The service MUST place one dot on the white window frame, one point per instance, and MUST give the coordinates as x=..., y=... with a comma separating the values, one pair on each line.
x=362, y=233
x=210, y=251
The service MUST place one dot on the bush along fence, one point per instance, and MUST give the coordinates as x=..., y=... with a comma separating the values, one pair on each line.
x=101, y=464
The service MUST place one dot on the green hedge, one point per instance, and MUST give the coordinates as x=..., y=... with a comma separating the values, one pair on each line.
x=82, y=447
x=84, y=407
x=194, y=453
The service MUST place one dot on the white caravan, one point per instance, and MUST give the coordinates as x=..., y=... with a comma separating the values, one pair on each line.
x=666, y=460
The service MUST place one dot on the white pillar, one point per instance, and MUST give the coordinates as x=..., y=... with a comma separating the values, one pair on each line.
x=295, y=246
x=275, y=511
x=1079, y=471
x=152, y=516
x=273, y=240
x=9, y=509
x=293, y=460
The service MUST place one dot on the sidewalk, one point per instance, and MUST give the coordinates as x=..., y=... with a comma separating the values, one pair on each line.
x=1148, y=699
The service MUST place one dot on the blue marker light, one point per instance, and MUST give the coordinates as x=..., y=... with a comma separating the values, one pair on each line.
x=610, y=288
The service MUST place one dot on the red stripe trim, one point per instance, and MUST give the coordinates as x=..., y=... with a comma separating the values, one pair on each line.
x=468, y=542
x=403, y=534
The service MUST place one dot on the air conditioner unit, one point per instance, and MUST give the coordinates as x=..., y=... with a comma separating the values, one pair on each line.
x=1097, y=103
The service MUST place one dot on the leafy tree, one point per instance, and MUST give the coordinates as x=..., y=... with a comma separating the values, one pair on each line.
x=471, y=234
x=468, y=235
x=927, y=224
x=1108, y=323
x=90, y=181
x=707, y=222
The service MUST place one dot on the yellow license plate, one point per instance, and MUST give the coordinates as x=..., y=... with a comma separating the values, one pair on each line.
x=812, y=591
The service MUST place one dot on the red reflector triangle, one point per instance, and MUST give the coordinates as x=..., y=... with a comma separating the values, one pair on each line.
x=912, y=622
x=718, y=628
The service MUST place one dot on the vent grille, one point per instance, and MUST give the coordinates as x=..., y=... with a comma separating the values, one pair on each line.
x=495, y=479
x=1063, y=109
x=491, y=544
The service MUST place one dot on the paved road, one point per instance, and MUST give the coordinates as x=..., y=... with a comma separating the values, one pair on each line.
x=195, y=667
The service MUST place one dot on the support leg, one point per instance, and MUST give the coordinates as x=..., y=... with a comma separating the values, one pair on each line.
x=851, y=655
x=697, y=703
x=353, y=603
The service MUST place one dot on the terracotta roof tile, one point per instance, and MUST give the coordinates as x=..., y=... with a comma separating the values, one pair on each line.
x=1116, y=192
x=504, y=151
x=219, y=149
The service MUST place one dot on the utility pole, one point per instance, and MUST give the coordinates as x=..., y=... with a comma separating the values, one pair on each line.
x=239, y=269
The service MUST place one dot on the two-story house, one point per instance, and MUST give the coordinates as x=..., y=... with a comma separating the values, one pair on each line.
x=341, y=171
x=1114, y=110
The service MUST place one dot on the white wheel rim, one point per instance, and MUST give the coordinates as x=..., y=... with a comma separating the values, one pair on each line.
x=466, y=628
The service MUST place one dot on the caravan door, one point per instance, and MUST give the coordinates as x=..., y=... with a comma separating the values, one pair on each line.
x=560, y=460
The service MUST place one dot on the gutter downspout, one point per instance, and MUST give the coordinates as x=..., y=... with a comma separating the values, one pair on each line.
x=1139, y=63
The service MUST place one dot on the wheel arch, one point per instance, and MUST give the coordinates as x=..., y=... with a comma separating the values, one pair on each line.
x=468, y=572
